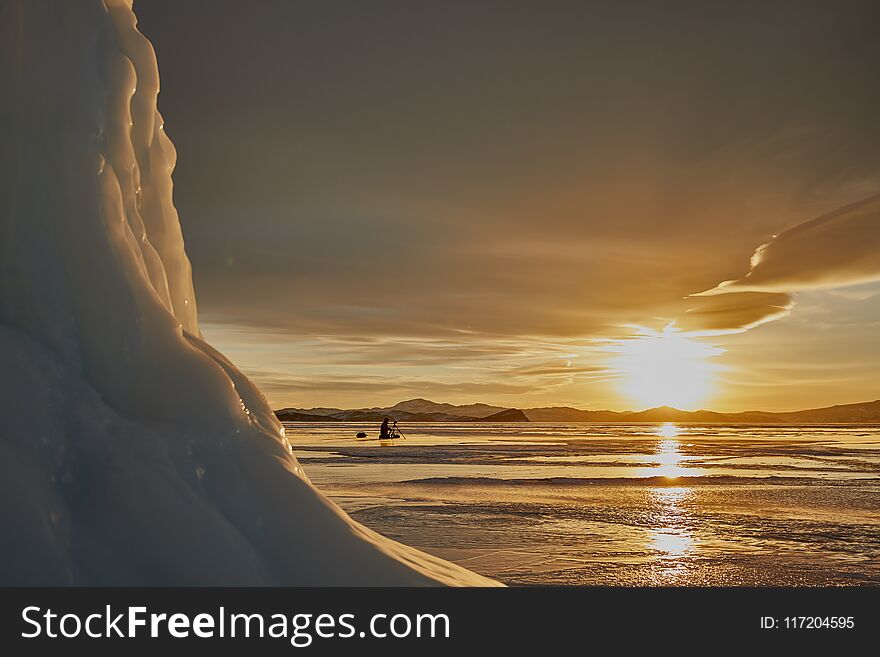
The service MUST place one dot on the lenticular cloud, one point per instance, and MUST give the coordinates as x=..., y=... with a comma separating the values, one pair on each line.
x=131, y=451
x=838, y=249
x=835, y=250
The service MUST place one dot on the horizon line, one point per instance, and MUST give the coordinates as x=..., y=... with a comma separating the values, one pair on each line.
x=576, y=408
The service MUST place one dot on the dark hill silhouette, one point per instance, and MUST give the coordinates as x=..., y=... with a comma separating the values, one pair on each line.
x=424, y=410
x=509, y=415
x=291, y=415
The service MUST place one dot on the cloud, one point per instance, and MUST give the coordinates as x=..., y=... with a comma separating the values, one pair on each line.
x=735, y=311
x=839, y=249
x=283, y=388
x=836, y=250
x=563, y=368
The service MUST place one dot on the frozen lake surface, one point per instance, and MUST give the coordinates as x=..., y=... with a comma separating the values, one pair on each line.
x=645, y=504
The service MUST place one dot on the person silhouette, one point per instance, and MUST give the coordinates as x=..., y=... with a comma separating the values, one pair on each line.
x=384, y=431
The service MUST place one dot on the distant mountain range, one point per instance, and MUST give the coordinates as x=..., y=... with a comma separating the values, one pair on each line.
x=423, y=410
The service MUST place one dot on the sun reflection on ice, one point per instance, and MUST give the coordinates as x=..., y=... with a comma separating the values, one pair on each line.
x=668, y=456
x=670, y=543
x=672, y=537
x=668, y=430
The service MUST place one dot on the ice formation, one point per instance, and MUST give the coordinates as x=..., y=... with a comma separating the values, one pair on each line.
x=131, y=452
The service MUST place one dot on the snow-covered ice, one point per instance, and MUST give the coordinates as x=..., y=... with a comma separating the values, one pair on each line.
x=131, y=451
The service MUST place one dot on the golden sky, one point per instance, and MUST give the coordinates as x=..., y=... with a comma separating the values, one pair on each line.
x=509, y=202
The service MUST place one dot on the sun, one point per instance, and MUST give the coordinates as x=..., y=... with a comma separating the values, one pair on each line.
x=665, y=368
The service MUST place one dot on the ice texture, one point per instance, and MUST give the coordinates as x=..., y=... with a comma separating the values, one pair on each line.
x=131, y=451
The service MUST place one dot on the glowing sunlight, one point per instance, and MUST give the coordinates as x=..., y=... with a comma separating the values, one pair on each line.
x=665, y=368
